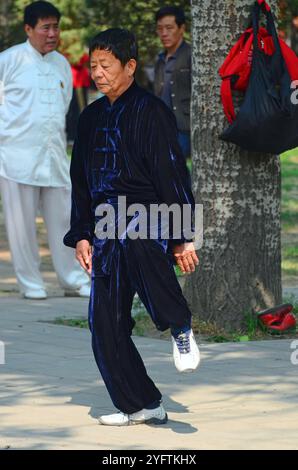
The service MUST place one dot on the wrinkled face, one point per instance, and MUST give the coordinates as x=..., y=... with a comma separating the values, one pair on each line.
x=109, y=75
x=44, y=37
x=169, y=32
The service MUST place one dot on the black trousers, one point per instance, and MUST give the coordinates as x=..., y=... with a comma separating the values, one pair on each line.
x=144, y=267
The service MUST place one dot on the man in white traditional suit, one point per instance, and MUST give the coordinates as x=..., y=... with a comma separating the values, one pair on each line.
x=35, y=92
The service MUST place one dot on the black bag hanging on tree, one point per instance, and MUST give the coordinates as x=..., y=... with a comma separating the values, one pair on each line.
x=267, y=120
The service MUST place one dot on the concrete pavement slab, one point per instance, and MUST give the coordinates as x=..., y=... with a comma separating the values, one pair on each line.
x=243, y=396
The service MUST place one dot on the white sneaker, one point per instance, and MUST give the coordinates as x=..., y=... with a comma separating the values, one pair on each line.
x=186, y=353
x=83, y=291
x=36, y=294
x=116, y=419
x=155, y=416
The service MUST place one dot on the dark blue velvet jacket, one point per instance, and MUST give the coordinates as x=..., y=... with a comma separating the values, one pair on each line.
x=130, y=149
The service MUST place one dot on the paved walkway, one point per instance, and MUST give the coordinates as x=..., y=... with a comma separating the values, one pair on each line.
x=244, y=395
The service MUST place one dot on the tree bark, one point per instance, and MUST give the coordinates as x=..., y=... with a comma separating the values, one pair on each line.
x=240, y=261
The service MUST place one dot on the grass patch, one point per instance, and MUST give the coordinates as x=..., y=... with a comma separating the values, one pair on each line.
x=289, y=268
x=289, y=216
x=293, y=154
x=288, y=170
x=189, y=164
x=205, y=331
x=74, y=322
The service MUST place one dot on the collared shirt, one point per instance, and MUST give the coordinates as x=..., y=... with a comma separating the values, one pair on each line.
x=168, y=68
x=36, y=92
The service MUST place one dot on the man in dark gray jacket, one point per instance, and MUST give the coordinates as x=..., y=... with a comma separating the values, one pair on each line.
x=172, y=81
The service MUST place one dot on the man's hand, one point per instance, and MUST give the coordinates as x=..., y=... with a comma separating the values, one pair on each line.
x=84, y=255
x=186, y=257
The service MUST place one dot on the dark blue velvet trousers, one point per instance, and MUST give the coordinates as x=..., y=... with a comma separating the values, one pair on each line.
x=144, y=267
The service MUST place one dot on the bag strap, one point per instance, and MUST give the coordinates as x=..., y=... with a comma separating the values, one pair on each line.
x=227, y=99
x=262, y=5
x=265, y=8
x=277, y=57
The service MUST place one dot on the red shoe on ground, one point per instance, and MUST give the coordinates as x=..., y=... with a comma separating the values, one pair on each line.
x=278, y=319
x=288, y=323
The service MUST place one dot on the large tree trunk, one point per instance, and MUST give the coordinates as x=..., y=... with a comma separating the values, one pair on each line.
x=240, y=268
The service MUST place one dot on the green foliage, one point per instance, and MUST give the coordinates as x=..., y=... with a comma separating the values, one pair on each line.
x=11, y=23
x=74, y=322
x=82, y=19
x=289, y=214
x=135, y=15
x=288, y=9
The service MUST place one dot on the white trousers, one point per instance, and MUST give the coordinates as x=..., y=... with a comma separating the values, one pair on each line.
x=20, y=205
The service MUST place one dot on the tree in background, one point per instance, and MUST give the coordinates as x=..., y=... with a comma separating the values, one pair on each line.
x=240, y=268
x=288, y=9
x=82, y=19
x=10, y=31
x=289, y=21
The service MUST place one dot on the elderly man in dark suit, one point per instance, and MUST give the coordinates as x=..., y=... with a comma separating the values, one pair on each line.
x=173, y=70
x=127, y=146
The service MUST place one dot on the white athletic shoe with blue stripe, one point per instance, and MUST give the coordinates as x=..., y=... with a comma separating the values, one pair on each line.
x=186, y=353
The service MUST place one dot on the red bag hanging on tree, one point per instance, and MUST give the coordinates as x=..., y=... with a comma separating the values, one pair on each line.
x=267, y=120
x=236, y=69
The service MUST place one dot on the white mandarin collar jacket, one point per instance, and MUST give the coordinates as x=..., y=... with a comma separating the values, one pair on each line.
x=35, y=92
